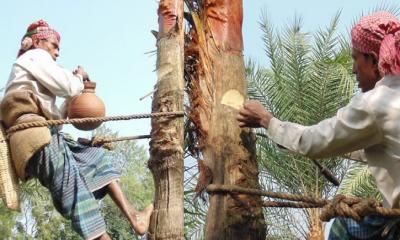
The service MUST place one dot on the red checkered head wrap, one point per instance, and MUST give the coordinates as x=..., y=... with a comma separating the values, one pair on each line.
x=379, y=33
x=37, y=30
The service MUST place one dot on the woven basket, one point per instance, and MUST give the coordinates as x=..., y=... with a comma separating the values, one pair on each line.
x=9, y=190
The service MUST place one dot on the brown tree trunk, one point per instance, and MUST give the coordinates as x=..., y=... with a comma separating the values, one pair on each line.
x=217, y=82
x=316, y=227
x=166, y=145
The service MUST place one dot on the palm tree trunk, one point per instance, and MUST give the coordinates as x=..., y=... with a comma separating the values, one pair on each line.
x=166, y=145
x=316, y=227
x=227, y=150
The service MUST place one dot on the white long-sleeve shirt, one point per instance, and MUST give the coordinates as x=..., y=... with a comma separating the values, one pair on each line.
x=370, y=123
x=36, y=70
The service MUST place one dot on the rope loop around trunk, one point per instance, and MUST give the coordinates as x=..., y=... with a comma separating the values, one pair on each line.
x=339, y=206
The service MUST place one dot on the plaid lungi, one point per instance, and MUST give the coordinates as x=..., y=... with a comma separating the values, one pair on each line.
x=370, y=228
x=75, y=175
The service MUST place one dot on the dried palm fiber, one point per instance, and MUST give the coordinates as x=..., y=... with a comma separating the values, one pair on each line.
x=9, y=190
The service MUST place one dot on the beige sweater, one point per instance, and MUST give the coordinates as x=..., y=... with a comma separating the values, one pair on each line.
x=36, y=71
x=35, y=82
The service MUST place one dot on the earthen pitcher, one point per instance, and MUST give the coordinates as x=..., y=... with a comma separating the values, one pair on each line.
x=85, y=105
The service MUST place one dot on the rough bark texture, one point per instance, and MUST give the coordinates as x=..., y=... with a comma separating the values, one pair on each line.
x=216, y=42
x=225, y=18
x=230, y=153
x=166, y=145
x=316, y=227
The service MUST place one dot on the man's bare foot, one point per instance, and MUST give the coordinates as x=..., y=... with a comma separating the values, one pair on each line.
x=141, y=220
x=105, y=236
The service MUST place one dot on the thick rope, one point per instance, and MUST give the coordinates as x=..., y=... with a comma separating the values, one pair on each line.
x=342, y=206
x=232, y=189
x=47, y=123
x=355, y=208
x=273, y=204
x=106, y=142
x=98, y=141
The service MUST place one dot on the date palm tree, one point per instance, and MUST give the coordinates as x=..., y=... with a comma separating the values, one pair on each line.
x=215, y=75
x=166, y=145
x=309, y=78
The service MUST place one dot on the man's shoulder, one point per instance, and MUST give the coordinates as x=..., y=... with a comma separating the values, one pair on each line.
x=382, y=97
x=34, y=55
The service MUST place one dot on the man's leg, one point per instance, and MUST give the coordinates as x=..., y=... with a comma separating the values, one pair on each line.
x=371, y=227
x=105, y=236
x=139, y=220
x=56, y=169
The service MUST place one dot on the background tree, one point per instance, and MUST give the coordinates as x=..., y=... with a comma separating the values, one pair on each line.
x=195, y=207
x=309, y=79
x=39, y=219
x=136, y=182
x=7, y=222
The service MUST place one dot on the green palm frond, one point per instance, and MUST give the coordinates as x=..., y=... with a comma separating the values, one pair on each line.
x=283, y=224
x=389, y=7
x=359, y=182
x=309, y=79
x=271, y=44
x=382, y=6
x=258, y=79
x=195, y=209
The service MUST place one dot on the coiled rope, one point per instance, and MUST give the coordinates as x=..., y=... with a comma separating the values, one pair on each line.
x=339, y=206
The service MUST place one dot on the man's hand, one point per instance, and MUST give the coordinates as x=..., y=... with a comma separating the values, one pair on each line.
x=79, y=70
x=253, y=114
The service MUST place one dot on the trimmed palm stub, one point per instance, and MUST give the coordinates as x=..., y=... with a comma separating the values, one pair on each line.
x=214, y=70
x=166, y=145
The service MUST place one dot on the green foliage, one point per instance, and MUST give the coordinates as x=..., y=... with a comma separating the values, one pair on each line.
x=7, y=221
x=195, y=209
x=360, y=183
x=39, y=219
x=137, y=184
x=310, y=77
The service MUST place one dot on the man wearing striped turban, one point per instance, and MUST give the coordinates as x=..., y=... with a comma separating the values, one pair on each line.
x=76, y=175
x=368, y=127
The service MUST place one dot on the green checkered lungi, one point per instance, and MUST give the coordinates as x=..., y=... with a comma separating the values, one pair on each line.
x=76, y=176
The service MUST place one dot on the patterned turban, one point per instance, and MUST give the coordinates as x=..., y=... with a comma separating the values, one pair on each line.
x=379, y=33
x=37, y=30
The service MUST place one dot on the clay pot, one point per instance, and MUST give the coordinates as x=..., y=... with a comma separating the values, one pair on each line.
x=87, y=104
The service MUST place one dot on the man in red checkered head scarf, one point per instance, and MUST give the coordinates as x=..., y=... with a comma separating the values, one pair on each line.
x=40, y=35
x=376, y=48
x=367, y=128
x=82, y=174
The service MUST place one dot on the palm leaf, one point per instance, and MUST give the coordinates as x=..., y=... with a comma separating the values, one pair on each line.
x=359, y=182
x=309, y=78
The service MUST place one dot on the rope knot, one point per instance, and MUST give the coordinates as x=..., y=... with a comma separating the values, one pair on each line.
x=97, y=141
x=355, y=208
x=103, y=142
